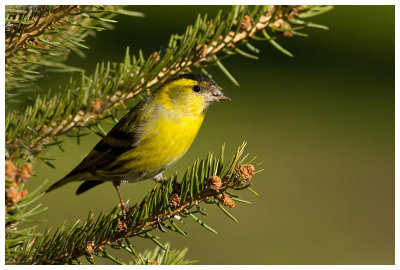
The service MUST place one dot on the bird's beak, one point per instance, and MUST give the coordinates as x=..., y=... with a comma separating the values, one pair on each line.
x=215, y=95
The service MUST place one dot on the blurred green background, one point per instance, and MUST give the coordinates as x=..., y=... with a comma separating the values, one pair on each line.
x=322, y=122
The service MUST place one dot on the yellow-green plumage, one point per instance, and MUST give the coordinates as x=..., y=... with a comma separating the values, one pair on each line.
x=151, y=137
x=169, y=131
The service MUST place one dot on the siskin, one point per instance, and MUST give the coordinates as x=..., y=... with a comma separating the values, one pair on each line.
x=151, y=137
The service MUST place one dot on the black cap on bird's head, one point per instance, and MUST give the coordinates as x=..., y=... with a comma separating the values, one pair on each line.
x=195, y=77
x=205, y=86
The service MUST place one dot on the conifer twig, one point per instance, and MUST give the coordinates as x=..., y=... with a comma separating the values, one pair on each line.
x=13, y=43
x=161, y=204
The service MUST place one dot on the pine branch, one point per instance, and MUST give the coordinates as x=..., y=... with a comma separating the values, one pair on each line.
x=208, y=180
x=39, y=23
x=39, y=39
x=20, y=209
x=163, y=257
x=82, y=104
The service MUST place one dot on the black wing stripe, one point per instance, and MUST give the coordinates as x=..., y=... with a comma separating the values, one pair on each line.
x=122, y=135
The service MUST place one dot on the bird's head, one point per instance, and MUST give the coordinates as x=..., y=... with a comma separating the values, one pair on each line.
x=200, y=85
x=192, y=91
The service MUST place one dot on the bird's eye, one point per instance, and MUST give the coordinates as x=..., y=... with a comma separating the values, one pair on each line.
x=196, y=88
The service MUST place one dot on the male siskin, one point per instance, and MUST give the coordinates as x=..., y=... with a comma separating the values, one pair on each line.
x=151, y=137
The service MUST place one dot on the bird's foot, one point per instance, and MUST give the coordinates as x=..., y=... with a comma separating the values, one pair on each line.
x=158, y=178
x=125, y=209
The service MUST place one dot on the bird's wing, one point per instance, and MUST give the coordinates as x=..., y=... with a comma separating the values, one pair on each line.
x=122, y=137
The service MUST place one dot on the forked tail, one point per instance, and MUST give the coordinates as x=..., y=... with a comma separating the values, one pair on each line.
x=86, y=185
x=60, y=183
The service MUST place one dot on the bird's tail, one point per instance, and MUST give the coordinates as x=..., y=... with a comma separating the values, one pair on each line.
x=88, y=183
x=71, y=177
x=59, y=183
x=85, y=186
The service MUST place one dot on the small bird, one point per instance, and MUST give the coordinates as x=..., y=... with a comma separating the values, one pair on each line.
x=151, y=137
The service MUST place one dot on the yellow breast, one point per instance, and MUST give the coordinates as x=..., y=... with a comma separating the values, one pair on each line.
x=171, y=125
x=165, y=139
x=168, y=140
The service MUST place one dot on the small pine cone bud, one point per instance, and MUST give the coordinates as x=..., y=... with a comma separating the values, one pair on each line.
x=14, y=195
x=226, y=200
x=215, y=182
x=96, y=105
x=90, y=249
x=153, y=262
x=245, y=171
x=23, y=193
x=156, y=56
x=174, y=201
x=287, y=34
x=11, y=170
x=26, y=172
x=245, y=25
x=122, y=226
